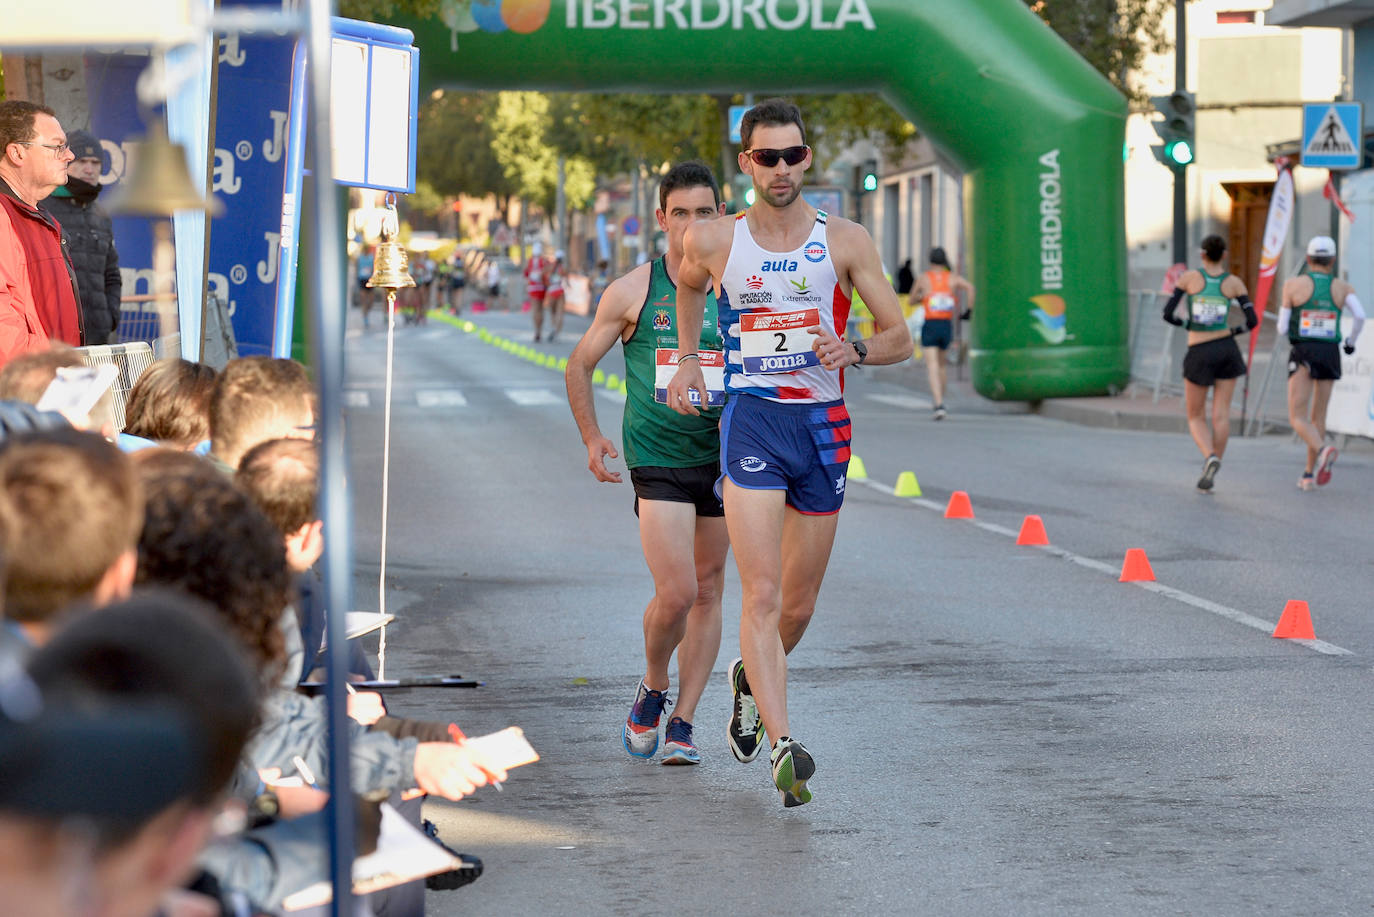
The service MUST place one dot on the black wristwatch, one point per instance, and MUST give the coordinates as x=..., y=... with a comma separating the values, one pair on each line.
x=861, y=349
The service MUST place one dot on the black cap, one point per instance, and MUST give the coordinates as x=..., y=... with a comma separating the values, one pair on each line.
x=84, y=145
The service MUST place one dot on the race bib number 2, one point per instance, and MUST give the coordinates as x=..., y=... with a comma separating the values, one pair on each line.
x=712, y=369
x=777, y=342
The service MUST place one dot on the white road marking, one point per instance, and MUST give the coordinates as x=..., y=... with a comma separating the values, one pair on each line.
x=1178, y=595
x=533, y=397
x=440, y=398
x=355, y=398
x=909, y=402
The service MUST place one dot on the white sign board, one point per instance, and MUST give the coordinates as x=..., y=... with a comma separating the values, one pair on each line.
x=1352, y=396
x=373, y=102
x=96, y=24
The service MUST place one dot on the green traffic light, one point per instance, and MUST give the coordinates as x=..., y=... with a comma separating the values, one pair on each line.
x=870, y=182
x=1179, y=152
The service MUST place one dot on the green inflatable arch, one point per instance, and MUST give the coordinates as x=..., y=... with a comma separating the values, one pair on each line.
x=1038, y=133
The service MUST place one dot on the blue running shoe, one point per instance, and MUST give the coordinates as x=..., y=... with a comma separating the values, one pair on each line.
x=640, y=736
x=677, y=743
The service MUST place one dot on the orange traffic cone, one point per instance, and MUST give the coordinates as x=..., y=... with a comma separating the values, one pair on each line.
x=1033, y=532
x=959, y=506
x=1296, y=622
x=1136, y=567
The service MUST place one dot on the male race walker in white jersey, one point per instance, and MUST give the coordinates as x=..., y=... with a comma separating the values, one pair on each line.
x=783, y=273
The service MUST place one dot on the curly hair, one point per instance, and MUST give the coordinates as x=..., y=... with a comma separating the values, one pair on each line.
x=203, y=535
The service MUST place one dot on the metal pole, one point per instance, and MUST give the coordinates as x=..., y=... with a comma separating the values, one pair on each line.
x=1180, y=173
x=327, y=340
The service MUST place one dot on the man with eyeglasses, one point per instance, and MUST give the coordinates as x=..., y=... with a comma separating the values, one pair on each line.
x=784, y=273
x=33, y=162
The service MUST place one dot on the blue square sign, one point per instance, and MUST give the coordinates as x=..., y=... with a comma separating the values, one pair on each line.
x=736, y=120
x=1332, y=135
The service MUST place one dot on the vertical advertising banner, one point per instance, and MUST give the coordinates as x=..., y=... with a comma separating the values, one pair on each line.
x=116, y=123
x=1275, y=235
x=250, y=165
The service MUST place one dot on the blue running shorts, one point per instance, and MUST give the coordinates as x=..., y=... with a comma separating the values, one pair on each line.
x=800, y=448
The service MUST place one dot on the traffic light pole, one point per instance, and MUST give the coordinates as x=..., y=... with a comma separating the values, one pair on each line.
x=1180, y=174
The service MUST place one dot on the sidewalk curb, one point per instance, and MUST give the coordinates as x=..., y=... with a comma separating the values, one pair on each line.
x=1067, y=409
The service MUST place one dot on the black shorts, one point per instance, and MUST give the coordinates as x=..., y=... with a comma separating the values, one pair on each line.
x=937, y=332
x=1209, y=361
x=1322, y=358
x=679, y=485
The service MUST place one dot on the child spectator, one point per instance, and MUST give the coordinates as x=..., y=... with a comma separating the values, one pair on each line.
x=256, y=399
x=169, y=406
x=282, y=477
x=75, y=508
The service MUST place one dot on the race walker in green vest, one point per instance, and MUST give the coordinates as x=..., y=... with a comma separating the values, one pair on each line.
x=1311, y=317
x=1213, y=360
x=674, y=461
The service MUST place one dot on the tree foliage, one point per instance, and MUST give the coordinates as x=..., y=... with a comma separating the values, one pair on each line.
x=456, y=153
x=1115, y=36
x=835, y=120
x=522, y=124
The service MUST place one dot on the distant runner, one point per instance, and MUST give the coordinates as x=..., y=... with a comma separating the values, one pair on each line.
x=1311, y=317
x=1213, y=360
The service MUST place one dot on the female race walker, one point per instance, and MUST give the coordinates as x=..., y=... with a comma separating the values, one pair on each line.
x=1213, y=360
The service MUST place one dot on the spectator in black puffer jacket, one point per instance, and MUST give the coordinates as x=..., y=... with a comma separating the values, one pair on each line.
x=90, y=238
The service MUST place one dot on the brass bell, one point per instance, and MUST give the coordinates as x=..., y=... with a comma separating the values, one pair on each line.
x=158, y=182
x=390, y=267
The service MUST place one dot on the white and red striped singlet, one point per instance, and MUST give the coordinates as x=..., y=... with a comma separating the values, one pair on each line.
x=767, y=301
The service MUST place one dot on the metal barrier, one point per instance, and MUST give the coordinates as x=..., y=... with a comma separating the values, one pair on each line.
x=1154, y=363
x=130, y=360
x=139, y=321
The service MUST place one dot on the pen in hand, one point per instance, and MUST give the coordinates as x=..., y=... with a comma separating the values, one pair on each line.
x=306, y=773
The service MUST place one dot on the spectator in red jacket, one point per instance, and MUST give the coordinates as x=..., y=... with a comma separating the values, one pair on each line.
x=21, y=330
x=33, y=162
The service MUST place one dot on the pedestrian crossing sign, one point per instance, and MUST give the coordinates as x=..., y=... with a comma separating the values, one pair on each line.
x=1332, y=135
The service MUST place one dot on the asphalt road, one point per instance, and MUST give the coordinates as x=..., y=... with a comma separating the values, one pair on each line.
x=998, y=729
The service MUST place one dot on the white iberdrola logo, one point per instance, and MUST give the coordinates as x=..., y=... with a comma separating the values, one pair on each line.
x=785, y=15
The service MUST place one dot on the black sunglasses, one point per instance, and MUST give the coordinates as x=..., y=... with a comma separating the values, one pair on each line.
x=769, y=158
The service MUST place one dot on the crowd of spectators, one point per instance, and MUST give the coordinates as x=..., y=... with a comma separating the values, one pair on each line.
x=158, y=617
